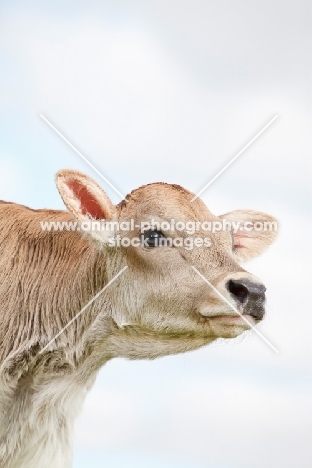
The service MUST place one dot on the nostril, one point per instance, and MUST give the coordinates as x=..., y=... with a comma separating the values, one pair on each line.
x=238, y=290
x=250, y=294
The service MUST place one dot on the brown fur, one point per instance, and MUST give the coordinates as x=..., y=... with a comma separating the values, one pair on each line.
x=158, y=306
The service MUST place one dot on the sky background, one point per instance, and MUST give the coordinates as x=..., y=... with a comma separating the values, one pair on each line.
x=170, y=91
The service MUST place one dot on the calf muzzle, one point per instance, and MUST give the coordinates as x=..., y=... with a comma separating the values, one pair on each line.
x=250, y=295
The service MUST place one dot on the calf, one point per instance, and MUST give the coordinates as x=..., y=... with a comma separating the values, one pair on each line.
x=158, y=290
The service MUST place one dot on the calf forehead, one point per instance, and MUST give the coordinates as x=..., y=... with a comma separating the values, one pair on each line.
x=167, y=201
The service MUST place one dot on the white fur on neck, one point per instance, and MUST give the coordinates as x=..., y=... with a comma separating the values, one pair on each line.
x=38, y=424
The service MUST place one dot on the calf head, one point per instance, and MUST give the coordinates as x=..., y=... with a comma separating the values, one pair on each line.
x=184, y=278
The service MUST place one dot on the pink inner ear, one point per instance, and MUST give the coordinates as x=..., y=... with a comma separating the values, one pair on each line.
x=240, y=240
x=88, y=202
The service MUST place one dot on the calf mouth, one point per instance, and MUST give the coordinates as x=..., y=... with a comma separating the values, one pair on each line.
x=230, y=324
x=252, y=311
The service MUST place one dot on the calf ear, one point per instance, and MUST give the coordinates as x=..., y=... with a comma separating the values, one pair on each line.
x=84, y=198
x=253, y=232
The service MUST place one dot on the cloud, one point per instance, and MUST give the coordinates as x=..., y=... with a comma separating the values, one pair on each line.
x=106, y=419
x=240, y=418
x=210, y=417
x=158, y=91
x=122, y=97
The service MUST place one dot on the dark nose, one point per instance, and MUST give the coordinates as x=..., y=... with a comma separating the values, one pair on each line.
x=250, y=295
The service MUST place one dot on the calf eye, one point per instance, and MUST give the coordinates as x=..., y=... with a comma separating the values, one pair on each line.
x=151, y=237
